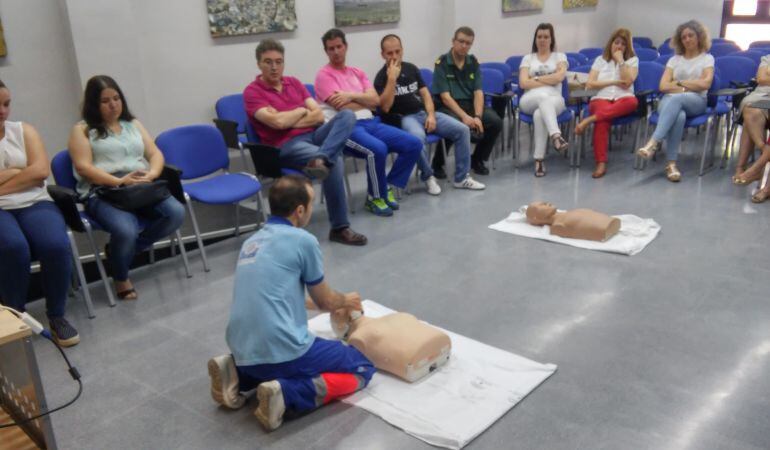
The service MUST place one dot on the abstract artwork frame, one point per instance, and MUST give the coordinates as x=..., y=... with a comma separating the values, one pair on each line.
x=239, y=17
x=572, y=4
x=522, y=5
x=3, y=48
x=366, y=12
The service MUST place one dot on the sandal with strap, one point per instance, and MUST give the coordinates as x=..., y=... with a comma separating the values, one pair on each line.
x=672, y=173
x=559, y=144
x=648, y=151
x=539, y=168
x=760, y=196
x=127, y=294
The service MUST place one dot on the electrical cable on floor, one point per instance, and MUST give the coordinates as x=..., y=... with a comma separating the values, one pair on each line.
x=37, y=328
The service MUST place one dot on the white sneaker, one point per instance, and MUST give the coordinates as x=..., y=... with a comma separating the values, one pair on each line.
x=224, y=382
x=433, y=187
x=469, y=183
x=271, y=406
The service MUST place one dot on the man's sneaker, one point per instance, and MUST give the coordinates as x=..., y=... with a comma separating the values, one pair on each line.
x=270, y=410
x=62, y=332
x=469, y=183
x=433, y=187
x=378, y=207
x=224, y=382
x=390, y=199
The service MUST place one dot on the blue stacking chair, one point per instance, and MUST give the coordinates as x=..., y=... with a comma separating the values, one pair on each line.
x=513, y=63
x=427, y=77
x=754, y=55
x=578, y=108
x=734, y=72
x=200, y=151
x=580, y=58
x=646, y=54
x=504, y=68
x=572, y=62
x=663, y=59
x=718, y=50
x=494, y=86
x=63, y=194
x=565, y=117
x=230, y=107
x=760, y=45
x=643, y=42
x=721, y=41
x=665, y=48
x=707, y=118
x=592, y=52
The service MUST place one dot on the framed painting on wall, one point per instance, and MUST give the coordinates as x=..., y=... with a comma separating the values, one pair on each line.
x=3, y=48
x=237, y=17
x=522, y=5
x=570, y=4
x=365, y=12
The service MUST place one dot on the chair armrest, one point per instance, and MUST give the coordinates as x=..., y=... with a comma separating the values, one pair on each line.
x=266, y=159
x=727, y=92
x=173, y=175
x=229, y=130
x=644, y=93
x=66, y=200
x=583, y=93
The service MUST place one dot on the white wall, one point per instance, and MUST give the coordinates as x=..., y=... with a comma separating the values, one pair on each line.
x=658, y=19
x=499, y=36
x=40, y=69
x=173, y=71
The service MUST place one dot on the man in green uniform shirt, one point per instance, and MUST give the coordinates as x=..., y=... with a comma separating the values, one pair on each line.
x=457, y=83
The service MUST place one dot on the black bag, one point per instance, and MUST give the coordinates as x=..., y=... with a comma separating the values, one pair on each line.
x=135, y=196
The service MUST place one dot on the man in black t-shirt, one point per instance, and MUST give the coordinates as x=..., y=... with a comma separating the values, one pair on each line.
x=405, y=98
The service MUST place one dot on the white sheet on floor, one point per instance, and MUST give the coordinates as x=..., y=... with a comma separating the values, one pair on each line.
x=634, y=235
x=457, y=402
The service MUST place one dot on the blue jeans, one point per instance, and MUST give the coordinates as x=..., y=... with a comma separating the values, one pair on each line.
x=134, y=232
x=305, y=381
x=326, y=142
x=378, y=139
x=36, y=232
x=449, y=128
x=673, y=111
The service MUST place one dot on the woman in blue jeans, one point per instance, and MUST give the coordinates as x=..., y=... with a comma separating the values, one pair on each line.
x=31, y=227
x=685, y=82
x=111, y=148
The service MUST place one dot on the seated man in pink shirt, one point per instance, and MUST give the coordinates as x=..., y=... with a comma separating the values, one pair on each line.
x=343, y=88
x=284, y=115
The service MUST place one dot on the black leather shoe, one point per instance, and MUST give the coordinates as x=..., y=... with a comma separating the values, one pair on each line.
x=439, y=173
x=347, y=236
x=479, y=168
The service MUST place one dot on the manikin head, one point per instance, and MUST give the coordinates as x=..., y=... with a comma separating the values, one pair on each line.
x=270, y=61
x=540, y=213
x=291, y=197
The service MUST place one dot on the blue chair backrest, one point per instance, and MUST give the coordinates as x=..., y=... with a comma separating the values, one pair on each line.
x=230, y=107
x=198, y=150
x=592, y=52
x=721, y=41
x=579, y=57
x=646, y=54
x=663, y=59
x=61, y=168
x=585, y=68
x=718, y=50
x=759, y=44
x=427, y=77
x=513, y=63
x=649, y=76
x=500, y=66
x=492, y=80
x=643, y=42
x=572, y=62
x=754, y=55
x=310, y=88
x=735, y=68
x=665, y=47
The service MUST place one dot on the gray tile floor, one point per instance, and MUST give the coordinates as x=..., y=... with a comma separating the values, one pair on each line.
x=666, y=349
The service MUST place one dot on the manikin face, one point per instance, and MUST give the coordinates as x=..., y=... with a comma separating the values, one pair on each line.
x=540, y=213
x=618, y=45
x=689, y=39
x=336, y=50
x=392, y=51
x=110, y=104
x=543, y=40
x=5, y=104
x=462, y=44
x=271, y=65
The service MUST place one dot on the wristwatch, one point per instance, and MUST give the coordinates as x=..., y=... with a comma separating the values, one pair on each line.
x=679, y=83
x=537, y=78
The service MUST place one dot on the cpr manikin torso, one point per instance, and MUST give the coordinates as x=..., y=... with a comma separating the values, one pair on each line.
x=397, y=343
x=575, y=224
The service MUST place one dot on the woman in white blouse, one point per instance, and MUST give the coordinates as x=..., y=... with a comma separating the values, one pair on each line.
x=685, y=82
x=613, y=74
x=540, y=75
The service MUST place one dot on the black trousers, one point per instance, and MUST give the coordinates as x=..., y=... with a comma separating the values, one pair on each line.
x=492, y=123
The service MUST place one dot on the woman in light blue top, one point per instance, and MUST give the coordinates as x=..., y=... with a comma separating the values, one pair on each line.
x=111, y=148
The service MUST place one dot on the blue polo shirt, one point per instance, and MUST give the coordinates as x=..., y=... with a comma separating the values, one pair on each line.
x=268, y=320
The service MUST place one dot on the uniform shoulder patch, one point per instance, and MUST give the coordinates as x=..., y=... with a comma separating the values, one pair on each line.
x=438, y=61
